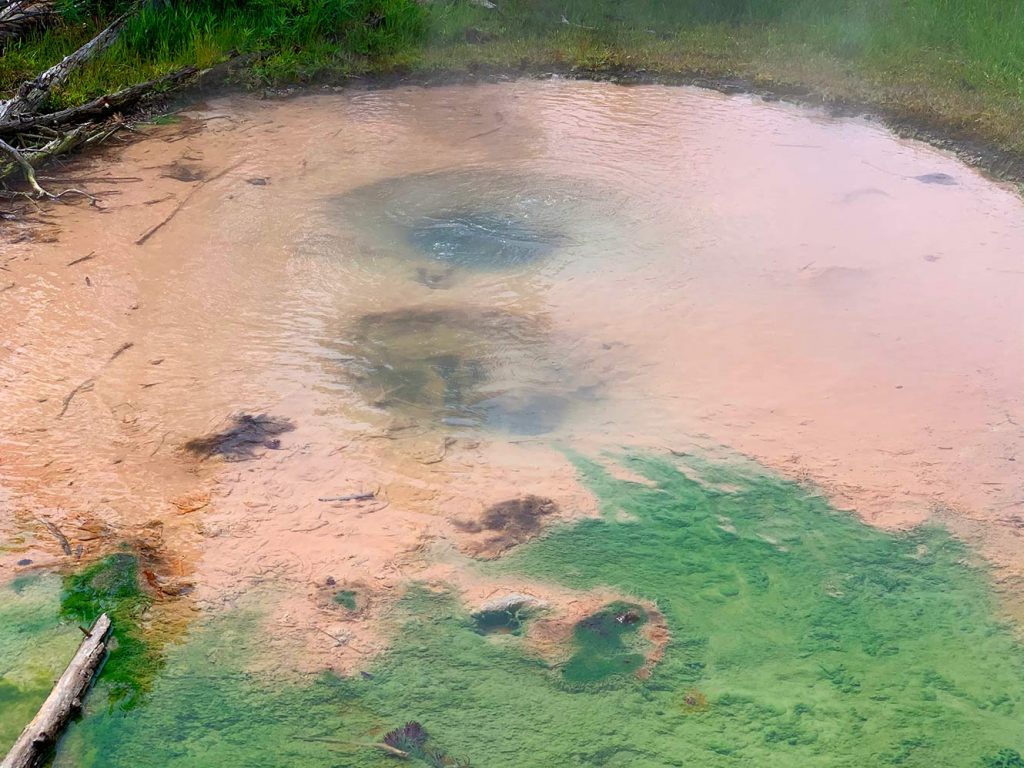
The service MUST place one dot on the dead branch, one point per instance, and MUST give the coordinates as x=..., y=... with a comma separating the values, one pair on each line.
x=184, y=201
x=376, y=745
x=59, y=536
x=85, y=386
x=17, y=17
x=26, y=160
x=349, y=498
x=80, y=259
x=66, y=698
x=97, y=108
x=25, y=165
x=33, y=93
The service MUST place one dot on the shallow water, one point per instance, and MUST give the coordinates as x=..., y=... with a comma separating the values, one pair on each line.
x=451, y=298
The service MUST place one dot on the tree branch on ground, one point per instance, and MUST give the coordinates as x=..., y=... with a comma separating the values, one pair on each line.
x=33, y=93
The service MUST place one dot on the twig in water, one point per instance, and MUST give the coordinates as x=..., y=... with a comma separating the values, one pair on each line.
x=307, y=530
x=121, y=350
x=26, y=167
x=61, y=538
x=85, y=386
x=184, y=201
x=335, y=638
x=80, y=259
x=448, y=442
x=376, y=745
x=159, y=445
x=483, y=133
x=351, y=497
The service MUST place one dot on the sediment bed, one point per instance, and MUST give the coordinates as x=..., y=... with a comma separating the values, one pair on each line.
x=721, y=368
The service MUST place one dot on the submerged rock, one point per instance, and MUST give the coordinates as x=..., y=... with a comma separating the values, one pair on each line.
x=506, y=615
x=943, y=179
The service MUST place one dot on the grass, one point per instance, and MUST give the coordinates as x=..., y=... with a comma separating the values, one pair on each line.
x=295, y=40
x=953, y=64
x=800, y=638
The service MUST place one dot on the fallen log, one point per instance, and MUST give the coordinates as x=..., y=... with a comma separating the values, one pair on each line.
x=102, y=106
x=21, y=162
x=26, y=160
x=18, y=17
x=40, y=735
x=33, y=93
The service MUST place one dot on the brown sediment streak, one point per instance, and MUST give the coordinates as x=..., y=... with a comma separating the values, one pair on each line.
x=721, y=272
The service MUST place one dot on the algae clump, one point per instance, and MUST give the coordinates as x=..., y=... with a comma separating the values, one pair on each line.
x=111, y=586
x=346, y=598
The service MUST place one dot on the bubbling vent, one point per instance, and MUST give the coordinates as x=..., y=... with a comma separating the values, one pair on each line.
x=480, y=240
x=470, y=220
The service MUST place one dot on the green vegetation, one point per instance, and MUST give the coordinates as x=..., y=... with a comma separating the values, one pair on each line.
x=799, y=638
x=294, y=39
x=111, y=586
x=346, y=598
x=957, y=65
x=34, y=648
x=503, y=621
x=1006, y=758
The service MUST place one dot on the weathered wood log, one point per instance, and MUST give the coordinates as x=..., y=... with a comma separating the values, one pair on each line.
x=98, y=107
x=21, y=162
x=40, y=735
x=64, y=143
x=18, y=17
x=33, y=93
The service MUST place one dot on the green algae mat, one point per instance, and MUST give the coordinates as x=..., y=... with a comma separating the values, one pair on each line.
x=799, y=637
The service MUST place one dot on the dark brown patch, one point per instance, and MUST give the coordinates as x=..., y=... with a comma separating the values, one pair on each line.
x=508, y=523
x=182, y=172
x=241, y=439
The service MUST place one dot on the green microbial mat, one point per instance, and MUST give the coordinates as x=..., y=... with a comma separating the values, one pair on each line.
x=346, y=598
x=602, y=645
x=35, y=646
x=800, y=637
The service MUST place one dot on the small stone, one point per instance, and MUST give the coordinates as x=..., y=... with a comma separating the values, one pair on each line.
x=943, y=179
